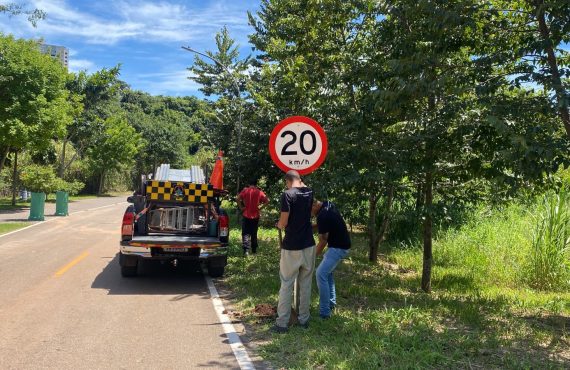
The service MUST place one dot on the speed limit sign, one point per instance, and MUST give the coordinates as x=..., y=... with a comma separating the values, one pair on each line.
x=298, y=143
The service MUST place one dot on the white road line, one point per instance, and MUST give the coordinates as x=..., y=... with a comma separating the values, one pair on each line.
x=58, y=218
x=236, y=345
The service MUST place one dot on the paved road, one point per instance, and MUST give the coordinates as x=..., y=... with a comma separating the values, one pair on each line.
x=9, y=215
x=64, y=304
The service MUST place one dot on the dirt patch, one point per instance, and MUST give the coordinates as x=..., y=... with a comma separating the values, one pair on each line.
x=265, y=311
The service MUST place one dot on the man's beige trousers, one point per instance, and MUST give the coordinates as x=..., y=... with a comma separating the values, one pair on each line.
x=293, y=265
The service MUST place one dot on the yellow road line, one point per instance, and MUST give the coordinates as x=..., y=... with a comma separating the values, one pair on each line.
x=64, y=269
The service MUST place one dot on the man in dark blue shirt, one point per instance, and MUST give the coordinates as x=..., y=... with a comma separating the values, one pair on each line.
x=297, y=252
x=332, y=231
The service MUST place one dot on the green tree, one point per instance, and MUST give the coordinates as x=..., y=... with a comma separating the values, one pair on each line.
x=526, y=39
x=168, y=126
x=328, y=76
x=452, y=119
x=33, y=100
x=409, y=99
x=224, y=76
x=94, y=98
x=34, y=104
x=115, y=146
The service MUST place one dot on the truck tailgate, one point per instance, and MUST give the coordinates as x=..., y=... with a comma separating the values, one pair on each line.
x=174, y=240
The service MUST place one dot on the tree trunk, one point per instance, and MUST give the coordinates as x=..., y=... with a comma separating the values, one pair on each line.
x=428, y=225
x=372, y=235
x=377, y=236
x=386, y=219
x=419, y=197
x=3, y=158
x=15, y=179
x=101, y=183
x=61, y=168
x=556, y=80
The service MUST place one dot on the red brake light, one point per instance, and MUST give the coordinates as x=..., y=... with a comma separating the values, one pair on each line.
x=128, y=220
x=224, y=226
x=224, y=221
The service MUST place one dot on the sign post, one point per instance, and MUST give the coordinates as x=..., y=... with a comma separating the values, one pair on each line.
x=298, y=143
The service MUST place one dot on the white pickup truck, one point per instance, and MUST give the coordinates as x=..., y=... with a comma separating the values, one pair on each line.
x=175, y=217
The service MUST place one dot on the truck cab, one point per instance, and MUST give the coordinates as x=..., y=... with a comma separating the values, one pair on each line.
x=175, y=217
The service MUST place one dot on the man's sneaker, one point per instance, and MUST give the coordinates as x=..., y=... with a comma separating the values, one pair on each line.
x=279, y=329
x=245, y=253
x=304, y=325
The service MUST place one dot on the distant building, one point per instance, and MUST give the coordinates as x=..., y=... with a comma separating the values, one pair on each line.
x=59, y=52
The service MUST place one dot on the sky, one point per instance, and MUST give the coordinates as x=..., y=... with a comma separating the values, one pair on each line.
x=144, y=36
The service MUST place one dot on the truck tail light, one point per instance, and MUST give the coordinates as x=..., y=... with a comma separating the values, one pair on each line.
x=127, y=227
x=224, y=221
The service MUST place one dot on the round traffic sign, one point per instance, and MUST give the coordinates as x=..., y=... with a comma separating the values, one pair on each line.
x=298, y=143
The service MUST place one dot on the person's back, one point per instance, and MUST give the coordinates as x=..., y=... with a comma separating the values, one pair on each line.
x=298, y=233
x=329, y=220
x=251, y=197
x=249, y=201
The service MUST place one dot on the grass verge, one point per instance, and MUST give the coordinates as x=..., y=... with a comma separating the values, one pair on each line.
x=6, y=227
x=383, y=320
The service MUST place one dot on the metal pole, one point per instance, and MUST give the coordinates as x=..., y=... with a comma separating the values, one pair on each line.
x=236, y=85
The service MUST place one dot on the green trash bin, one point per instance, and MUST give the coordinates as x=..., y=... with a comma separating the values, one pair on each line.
x=213, y=228
x=61, y=202
x=37, y=207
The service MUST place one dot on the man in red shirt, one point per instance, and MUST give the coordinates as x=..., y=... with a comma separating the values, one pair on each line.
x=250, y=201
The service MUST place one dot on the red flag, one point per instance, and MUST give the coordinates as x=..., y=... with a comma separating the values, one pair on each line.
x=217, y=178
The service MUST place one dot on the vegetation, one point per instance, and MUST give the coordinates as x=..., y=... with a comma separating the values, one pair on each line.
x=42, y=179
x=6, y=227
x=449, y=152
x=91, y=129
x=446, y=123
x=549, y=262
x=480, y=313
x=428, y=112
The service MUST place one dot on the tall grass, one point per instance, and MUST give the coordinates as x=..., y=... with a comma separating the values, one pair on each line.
x=490, y=249
x=548, y=265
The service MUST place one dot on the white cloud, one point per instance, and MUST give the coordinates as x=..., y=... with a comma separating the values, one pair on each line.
x=141, y=20
x=76, y=65
x=165, y=83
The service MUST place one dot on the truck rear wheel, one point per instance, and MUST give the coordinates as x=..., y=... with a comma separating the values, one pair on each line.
x=129, y=265
x=129, y=271
x=216, y=271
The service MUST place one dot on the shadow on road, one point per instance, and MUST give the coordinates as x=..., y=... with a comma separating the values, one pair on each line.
x=153, y=278
x=14, y=215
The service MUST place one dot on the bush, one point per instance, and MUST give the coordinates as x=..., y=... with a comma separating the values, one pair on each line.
x=72, y=188
x=42, y=179
x=38, y=179
x=548, y=265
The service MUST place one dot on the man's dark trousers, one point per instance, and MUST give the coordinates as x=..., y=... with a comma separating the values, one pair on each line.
x=249, y=228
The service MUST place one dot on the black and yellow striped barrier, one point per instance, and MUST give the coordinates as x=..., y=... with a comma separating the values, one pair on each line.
x=179, y=191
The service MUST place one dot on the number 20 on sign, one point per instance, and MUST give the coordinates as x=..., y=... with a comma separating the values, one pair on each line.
x=298, y=143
